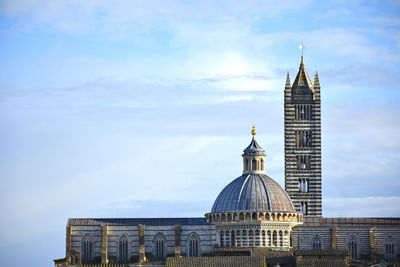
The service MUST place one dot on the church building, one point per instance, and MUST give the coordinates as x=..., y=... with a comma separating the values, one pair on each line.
x=254, y=221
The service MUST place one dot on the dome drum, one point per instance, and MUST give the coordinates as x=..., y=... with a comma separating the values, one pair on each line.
x=254, y=216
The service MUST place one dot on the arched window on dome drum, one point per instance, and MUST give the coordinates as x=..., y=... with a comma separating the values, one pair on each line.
x=246, y=165
x=159, y=246
x=194, y=246
x=353, y=248
x=123, y=249
x=254, y=165
x=389, y=249
x=87, y=249
x=262, y=164
x=316, y=243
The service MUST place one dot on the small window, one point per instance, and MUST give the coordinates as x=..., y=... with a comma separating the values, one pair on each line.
x=304, y=208
x=193, y=246
x=303, y=112
x=303, y=185
x=303, y=138
x=87, y=249
x=353, y=247
x=316, y=243
x=303, y=162
x=123, y=249
x=159, y=246
x=254, y=164
x=262, y=164
x=389, y=249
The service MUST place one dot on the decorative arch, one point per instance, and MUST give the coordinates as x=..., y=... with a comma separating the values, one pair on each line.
x=316, y=243
x=123, y=248
x=353, y=246
x=389, y=252
x=87, y=249
x=159, y=246
x=193, y=245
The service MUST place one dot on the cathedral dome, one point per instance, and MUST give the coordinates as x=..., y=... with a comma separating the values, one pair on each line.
x=253, y=192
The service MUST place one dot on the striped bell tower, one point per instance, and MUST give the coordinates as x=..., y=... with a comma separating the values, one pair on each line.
x=303, y=142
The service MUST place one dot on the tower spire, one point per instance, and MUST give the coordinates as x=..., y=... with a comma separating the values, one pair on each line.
x=316, y=80
x=287, y=85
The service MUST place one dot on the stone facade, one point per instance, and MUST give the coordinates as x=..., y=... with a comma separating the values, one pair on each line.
x=104, y=236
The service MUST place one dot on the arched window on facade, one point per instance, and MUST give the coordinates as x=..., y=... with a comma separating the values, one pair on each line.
x=389, y=249
x=352, y=246
x=87, y=249
x=193, y=245
x=316, y=243
x=159, y=246
x=123, y=249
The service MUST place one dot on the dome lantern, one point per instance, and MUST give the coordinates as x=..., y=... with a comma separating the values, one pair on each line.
x=253, y=157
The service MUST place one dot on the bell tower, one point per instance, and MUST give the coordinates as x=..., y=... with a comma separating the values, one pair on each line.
x=303, y=142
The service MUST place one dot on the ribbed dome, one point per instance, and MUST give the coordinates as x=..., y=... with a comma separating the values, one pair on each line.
x=253, y=192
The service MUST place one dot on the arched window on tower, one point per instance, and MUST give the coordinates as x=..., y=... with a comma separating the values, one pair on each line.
x=352, y=246
x=87, y=249
x=389, y=249
x=123, y=249
x=262, y=164
x=246, y=165
x=303, y=208
x=159, y=246
x=254, y=164
x=193, y=245
x=316, y=243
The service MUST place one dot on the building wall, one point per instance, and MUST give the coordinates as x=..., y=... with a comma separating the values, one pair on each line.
x=303, y=236
x=206, y=234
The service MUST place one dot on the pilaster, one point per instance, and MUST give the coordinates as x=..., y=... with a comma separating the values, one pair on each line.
x=104, y=243
x=142, y=248
x=177, y=240
x=68, y=243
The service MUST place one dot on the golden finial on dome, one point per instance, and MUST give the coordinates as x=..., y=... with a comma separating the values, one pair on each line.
x=253, y=132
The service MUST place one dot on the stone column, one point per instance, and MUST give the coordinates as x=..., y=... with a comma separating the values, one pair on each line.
x=178, y=241
x=142, y=248
x=333, y=235
x=104, y=241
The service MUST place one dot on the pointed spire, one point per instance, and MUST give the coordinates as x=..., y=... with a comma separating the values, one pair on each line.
x=302, y=85
x=316, y=80
x=287, y=85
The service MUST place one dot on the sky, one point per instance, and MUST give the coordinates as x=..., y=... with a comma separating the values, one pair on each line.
x=142, y=108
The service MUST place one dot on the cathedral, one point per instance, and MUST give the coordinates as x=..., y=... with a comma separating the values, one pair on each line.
x=253, y=221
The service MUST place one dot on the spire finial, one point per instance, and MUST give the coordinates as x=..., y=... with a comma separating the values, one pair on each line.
x=301, y=47
x=253, y=132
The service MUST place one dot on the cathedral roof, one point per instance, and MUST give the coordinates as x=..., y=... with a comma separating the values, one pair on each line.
x=253, y=192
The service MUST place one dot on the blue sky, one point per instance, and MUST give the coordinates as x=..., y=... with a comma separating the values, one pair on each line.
x=142, y=108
